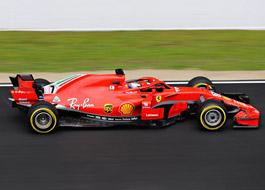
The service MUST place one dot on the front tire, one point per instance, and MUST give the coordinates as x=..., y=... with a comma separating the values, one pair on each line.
x=212, y=115
x=43, y=117
x=201, y=82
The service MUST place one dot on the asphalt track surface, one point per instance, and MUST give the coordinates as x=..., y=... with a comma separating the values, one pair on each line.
x=178, y=157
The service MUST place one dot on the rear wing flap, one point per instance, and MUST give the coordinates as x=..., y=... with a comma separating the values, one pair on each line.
x=15, y=80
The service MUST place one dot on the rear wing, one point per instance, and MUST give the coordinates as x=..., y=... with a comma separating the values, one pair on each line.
x=119, y=72
x=21, y=79
x=23, y=92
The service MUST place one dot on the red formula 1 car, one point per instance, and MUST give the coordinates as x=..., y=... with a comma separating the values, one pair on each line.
x=107, y=100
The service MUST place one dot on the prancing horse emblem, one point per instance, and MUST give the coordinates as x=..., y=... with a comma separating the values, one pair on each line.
x=158, y=98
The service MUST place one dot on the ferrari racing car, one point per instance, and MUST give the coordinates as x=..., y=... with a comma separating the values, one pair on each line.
x=100, y=100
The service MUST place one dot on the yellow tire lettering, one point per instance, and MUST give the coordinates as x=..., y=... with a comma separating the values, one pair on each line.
x=202, y=84
x=205, y=125
x=49, y=112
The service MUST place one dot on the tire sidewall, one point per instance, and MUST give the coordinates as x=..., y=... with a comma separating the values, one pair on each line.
x=200, y=82
x=42, y=82
x=43, y=107
x=212, y=105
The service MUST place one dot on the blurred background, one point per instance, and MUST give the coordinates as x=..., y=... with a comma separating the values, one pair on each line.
x=86, y=35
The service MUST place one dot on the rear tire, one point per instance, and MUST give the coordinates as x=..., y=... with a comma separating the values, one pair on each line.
x=43, y=117
x=212, y=115
x=201, y=82
x=41, y=82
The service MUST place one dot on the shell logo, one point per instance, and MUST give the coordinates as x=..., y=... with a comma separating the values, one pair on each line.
x=126, y=109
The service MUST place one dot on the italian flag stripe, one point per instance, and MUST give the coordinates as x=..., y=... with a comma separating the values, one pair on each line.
x=58, y=83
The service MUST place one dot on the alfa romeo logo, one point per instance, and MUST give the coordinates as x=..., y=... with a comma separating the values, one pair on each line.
x=108, y=108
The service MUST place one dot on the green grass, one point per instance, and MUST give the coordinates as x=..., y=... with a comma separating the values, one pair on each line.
x=76, y=51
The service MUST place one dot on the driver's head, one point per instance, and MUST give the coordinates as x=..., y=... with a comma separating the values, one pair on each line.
x=133, y=85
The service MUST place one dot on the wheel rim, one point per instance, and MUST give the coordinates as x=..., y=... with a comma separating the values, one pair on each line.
x=213, y=117
x=43, y=120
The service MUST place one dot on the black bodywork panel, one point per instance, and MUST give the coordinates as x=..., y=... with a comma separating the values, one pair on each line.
x=241, y=97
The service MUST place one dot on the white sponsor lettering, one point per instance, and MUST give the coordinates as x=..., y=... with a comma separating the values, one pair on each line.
x=152, y=115
x=22, y=99
x=131, y=92
x=75, y=105
x=215, y=94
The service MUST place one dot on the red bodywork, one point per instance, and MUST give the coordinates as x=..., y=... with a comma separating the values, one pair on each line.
x=110, y=96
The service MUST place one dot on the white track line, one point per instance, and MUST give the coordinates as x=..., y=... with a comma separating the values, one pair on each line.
x=129, y=29
x=223, y=82
x=6, y=85
x=239, y=82
x=173, y=82
x=186, y=82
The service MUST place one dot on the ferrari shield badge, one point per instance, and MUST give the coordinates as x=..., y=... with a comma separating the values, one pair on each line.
x=158, y=98
x=108, y=108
